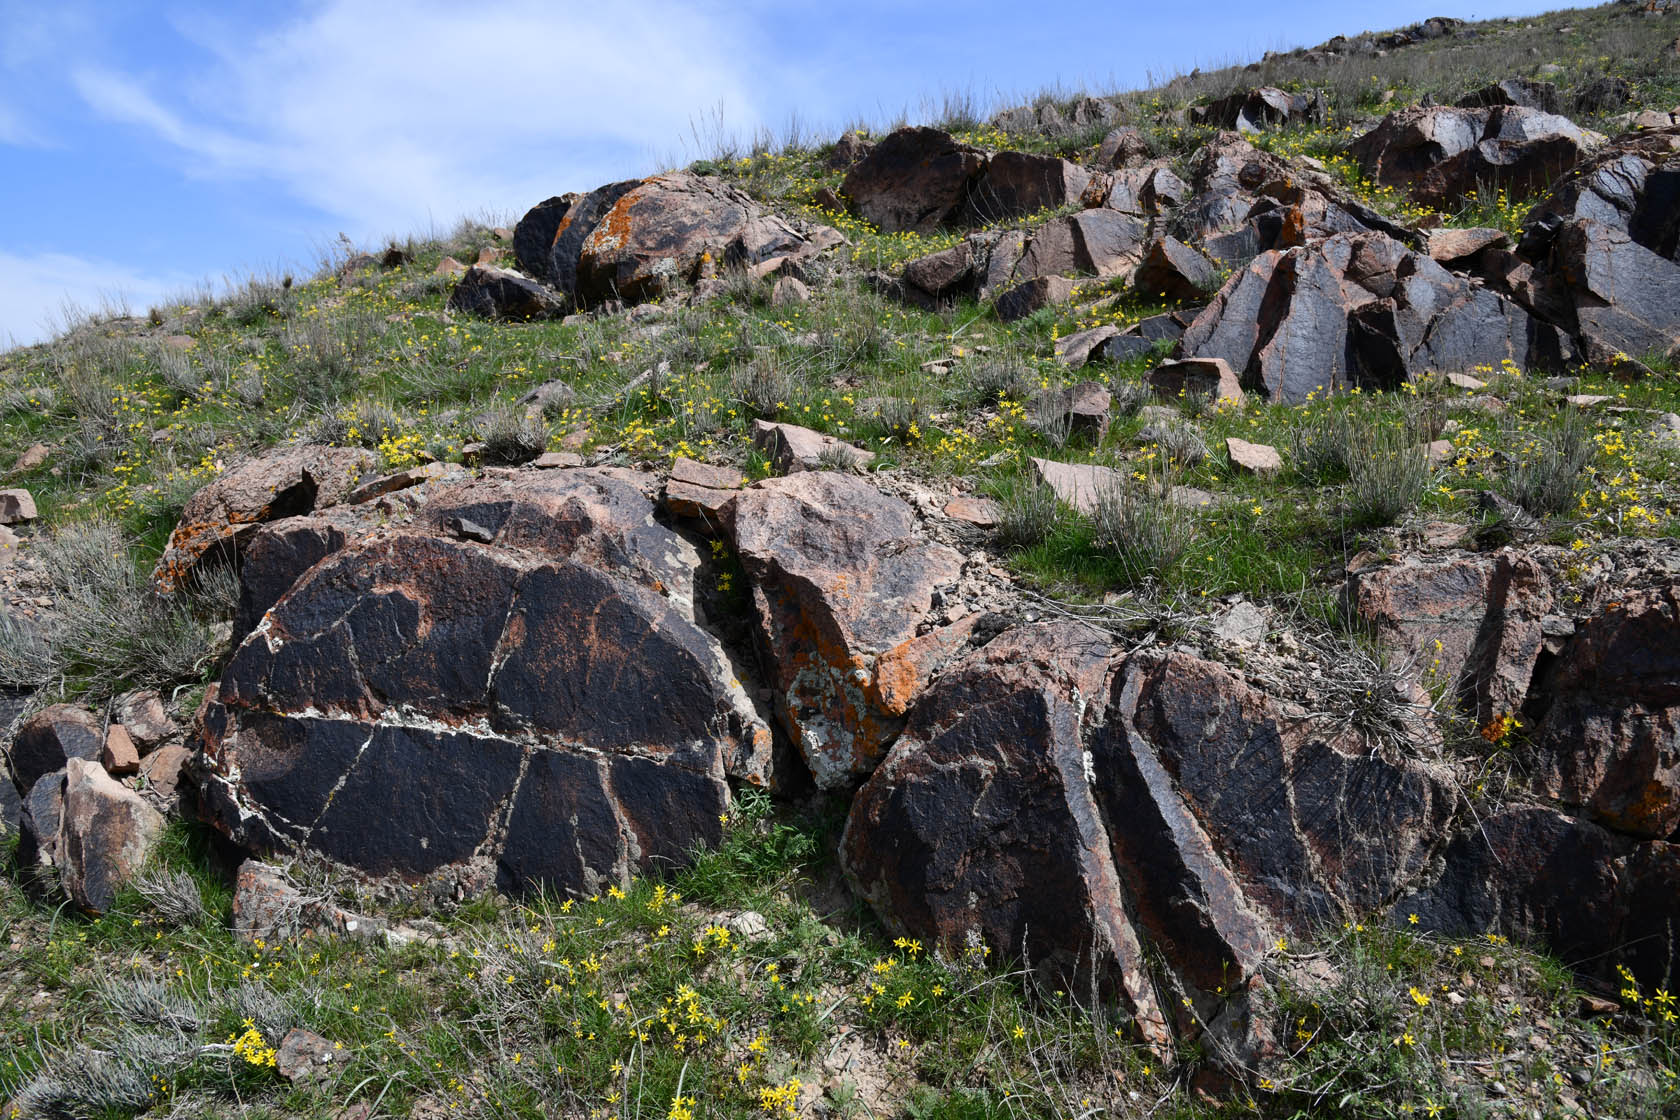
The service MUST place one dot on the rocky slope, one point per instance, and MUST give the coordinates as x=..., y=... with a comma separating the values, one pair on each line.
x=521, y=670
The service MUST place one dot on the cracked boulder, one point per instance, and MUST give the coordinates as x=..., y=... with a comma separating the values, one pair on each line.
x=512, y=690
x=106, y=835
x=1360, y=309
x=219, y=520
x=840, y=578
x=1607, y=245
x=533, y=237
x=1150, y=822
x=501, y=293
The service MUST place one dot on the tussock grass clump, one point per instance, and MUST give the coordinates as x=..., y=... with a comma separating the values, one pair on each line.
x=1142, y=529
x=1028, y=513
x=1388, y=471
x=109, y=631
x=173, y=894
x=510, y=435
x=766, y=385
x=1546, y=474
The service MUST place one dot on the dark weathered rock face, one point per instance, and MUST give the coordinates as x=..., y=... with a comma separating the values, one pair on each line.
x=1360, y=309
x=839, y=579
x=398, y=711
x=982, y=818
x=219, y=519
x=1091, y=812
x=1019, y=183
x=50, y=738
x=1608, y=708
x=1173, y=270
x=499, y=293
x=1258, y=109
x=533, y=237
x=1442, y=154
x=510, y=691
x=914, y=179
x=1526, y=92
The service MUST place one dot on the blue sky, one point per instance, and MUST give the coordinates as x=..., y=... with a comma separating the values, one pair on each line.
x=147, y=149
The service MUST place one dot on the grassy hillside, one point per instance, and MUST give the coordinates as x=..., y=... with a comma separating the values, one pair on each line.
x=751, y=984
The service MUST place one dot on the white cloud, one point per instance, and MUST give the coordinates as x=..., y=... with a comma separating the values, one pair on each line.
x=392, y=122
x=40, y=292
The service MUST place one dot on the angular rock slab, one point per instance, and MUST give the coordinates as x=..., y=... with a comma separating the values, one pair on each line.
x=1607, y=738
x=424, y=707
x=1472, y=624
x=501, y=293
x=1359, y=309
x=1314, y=827
x=839, y=578
x=286, y=482
x=106, y=835
x=982, y=820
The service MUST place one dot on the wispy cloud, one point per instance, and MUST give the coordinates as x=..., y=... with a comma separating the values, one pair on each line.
x=41, y=292
x=390, y=122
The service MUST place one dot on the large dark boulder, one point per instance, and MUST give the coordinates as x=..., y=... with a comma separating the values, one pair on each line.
x=533, y=237
x=1256, y=110
x=500, y=293
x=1526, y=92
x=430, y=708
x=915, y=179
x=1360, y=309
x=840, y=579
x=107, y=832
x=1020, y=183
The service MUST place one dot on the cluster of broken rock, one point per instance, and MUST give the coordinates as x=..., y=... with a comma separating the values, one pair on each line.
x=511, y=677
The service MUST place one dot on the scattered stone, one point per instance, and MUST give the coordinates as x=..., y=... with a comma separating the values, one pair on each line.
x=1253, y=458
x=1245, y=624
x=162, y=777
x=1208, y=377
x=16, y=507
x=793, y=448
x=788, y=291
x=303, y=1055
x=119, y=755
x=1256, y=110
x=1439, y=451
x=1076, y=349
x=1603, y=95
x=1042, y=291
x=981, y=512
x=1465, y=381
x=449, y=266
x=942, y=276
x=108, y=833
x=1079, y=485
x=33, y=457
x=552, y=460
x=847, y=151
